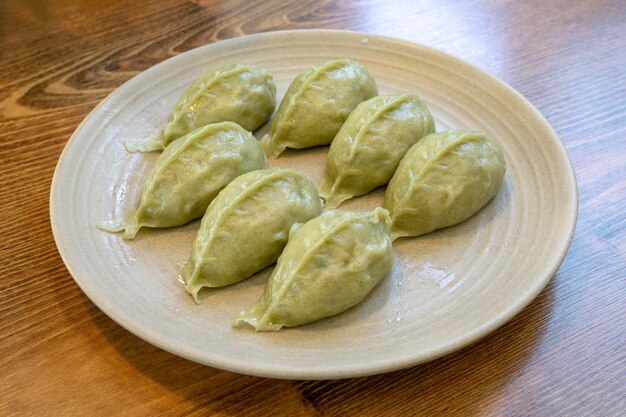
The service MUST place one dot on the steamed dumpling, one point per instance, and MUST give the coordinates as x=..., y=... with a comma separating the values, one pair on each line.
x=242, y=94
x=370, y=144
x=188, y=175
x=443, y=180
x=246, y=227
x=329, y=265
x=317, y=103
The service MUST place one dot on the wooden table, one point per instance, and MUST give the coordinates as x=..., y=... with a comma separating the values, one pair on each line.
x=565, y=354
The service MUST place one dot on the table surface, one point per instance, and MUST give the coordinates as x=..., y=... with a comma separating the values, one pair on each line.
x=565, y=354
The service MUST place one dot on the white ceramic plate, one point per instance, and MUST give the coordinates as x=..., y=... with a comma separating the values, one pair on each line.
x=447, y=289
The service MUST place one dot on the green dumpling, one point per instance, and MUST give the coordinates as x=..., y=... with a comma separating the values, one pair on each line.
x=242, y=94
x=370, y=144
x=329, y=265
x=188, y=175
x=246, y=227
x=443, y=180
x=317, y=103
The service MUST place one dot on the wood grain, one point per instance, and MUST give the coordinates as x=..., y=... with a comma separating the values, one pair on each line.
x=565, y=354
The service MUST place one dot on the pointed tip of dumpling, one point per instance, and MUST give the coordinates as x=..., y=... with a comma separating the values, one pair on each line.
x=130, y=232
x=115, y=226
x=150, y=144
x=132, y=225
x=396, y=233
x=269, y=148
x=243, y=320
x=194, y=291
x=189, y=275
x=327, y=191
x=196, y=298
x=250, y=319
x=111, y=226
x=334, y=200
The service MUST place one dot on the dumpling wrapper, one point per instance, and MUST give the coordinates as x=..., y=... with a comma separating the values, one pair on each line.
x=246, y=227
x=189, y=174
x=242, y=94
x=443, y=180
x=317, y=103
x=369, y=146
x=329, y=265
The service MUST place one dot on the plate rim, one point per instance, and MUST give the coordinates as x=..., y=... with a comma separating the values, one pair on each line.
x=338, y=371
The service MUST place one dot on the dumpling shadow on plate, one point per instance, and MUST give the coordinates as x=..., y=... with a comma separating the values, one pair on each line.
x=146, y=233
x=256, y=282
x=366, y=201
